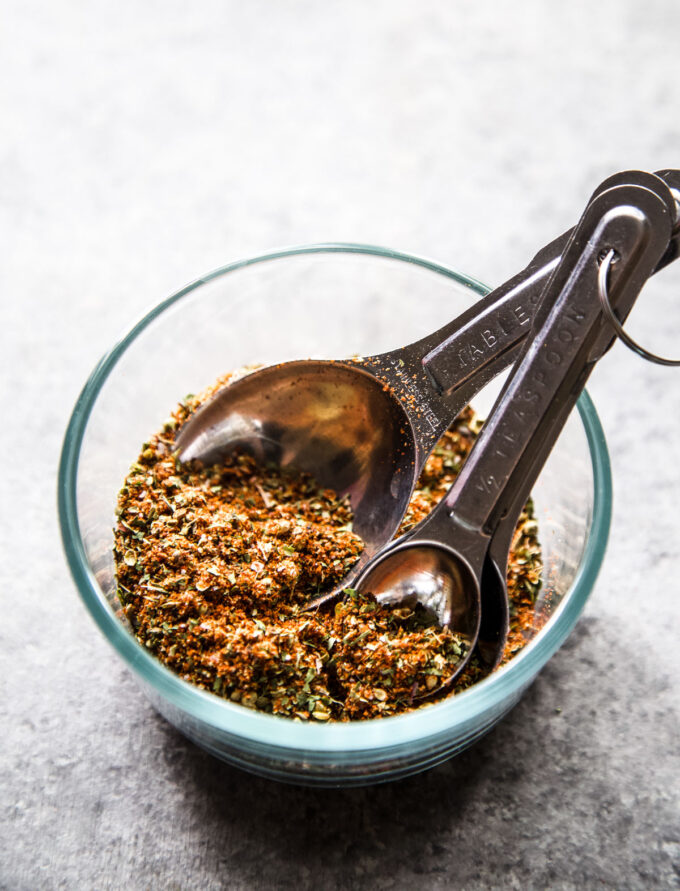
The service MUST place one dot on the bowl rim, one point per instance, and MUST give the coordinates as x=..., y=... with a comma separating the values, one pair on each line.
x=324, y=739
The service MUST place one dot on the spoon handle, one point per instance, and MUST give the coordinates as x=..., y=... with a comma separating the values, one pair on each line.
x=569, y=335
x=482, y=340
x=443, y=371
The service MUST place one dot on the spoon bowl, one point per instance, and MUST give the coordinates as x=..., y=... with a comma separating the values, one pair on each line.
x=331, y=419
x=433, y=576
x=440, y=581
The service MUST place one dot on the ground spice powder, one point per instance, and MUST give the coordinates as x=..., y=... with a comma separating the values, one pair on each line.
x=215, y=565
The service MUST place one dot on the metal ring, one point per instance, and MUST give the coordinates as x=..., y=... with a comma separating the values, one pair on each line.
x=603, y=274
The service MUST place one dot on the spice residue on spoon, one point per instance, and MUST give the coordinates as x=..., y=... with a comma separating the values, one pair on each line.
x=216, y=564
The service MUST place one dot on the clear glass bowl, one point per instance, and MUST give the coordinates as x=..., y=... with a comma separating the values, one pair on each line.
x=321, y=301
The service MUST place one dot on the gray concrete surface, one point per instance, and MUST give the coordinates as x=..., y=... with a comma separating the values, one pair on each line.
x=142, y=144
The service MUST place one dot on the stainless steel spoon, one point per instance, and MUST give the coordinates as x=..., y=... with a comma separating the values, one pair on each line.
x=454, y=561
x=365, y=427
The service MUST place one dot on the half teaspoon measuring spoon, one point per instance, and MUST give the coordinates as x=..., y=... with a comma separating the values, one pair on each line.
x=448, y=563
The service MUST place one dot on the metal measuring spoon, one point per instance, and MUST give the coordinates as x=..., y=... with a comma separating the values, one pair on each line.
x=365, y=427
x=454, y=561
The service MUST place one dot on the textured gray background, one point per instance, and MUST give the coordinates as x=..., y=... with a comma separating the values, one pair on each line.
x=142, y=144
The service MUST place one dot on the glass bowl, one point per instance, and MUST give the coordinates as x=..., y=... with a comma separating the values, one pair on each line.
x=318, y=301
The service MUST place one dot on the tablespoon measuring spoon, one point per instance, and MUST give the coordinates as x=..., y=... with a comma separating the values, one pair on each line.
x=444, y=562
x=365, y=427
